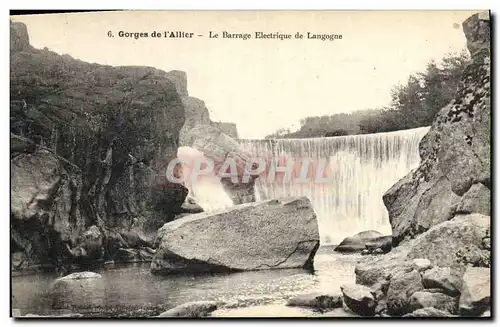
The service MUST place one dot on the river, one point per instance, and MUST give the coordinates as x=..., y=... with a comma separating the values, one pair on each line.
x=130, y=290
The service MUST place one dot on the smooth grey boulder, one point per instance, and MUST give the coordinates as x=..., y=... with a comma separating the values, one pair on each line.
x=357, y=242
x=273, y=234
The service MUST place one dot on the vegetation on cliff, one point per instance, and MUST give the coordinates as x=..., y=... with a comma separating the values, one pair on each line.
x=414, y=104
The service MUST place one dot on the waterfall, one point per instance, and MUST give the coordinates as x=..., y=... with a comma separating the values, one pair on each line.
x=363, y=168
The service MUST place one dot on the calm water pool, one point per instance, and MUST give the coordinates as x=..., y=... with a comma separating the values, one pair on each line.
x=130, y=290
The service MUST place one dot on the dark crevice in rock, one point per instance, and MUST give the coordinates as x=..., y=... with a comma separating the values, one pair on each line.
x=307, y=265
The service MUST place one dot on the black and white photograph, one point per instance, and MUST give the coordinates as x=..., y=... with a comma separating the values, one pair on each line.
x=322, y=164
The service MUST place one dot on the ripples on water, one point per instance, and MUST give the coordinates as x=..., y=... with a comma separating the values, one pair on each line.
x=132, y=291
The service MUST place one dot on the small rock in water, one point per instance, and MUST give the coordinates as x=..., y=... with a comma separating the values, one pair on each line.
x=81, y=275
x=359, y=299
x=378, y=251
x=357, y=243
x=317, y=301
x=365, y=252
x=192, y=309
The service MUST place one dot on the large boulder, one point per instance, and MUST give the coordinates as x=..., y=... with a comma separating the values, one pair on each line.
x=359, y=299
x=357, y=242
x=475, y=297
x=271, y=234
x=455, y=153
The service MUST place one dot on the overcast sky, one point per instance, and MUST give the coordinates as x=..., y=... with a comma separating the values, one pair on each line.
x=263, y=85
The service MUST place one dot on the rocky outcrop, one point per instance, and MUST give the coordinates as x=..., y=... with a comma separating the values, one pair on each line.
x=217, y=144
x=19, y=38
x=455, y=243
x=272, y=234
x=228, y=128
x=454, y=173
x=89, y=147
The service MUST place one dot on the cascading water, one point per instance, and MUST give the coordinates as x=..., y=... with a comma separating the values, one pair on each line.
x=363, y=168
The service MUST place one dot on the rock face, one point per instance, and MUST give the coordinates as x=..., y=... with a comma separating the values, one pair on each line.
x=356, y=243
x=271, y=234
x=89, y=147
x=218, y=144
x=454, y=174
x=228, y=128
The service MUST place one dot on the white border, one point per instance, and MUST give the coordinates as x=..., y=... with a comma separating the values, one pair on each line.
x=199, y=5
